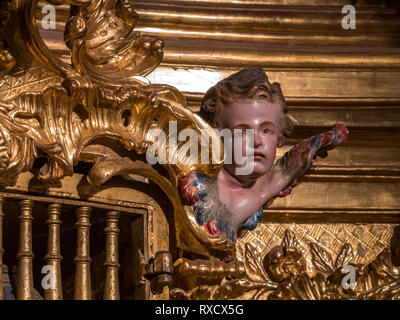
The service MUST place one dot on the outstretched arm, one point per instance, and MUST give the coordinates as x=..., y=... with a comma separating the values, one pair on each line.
x=210, y=212
x=297, y=161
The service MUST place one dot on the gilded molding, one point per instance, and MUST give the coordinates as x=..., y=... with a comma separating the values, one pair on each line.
x=103, y=95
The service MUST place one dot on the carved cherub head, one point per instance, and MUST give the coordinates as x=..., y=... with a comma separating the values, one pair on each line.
x=247, y=100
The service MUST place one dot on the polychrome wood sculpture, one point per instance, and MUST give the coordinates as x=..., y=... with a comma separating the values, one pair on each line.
x=247, y=101
x=88, y=142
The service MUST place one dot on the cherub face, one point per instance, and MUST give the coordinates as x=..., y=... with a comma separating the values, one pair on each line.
x=261, y=116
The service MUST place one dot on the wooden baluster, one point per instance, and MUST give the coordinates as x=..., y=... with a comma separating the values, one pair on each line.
x=1, y=247
x=111, y=287
x=53, y=257
x=82, y=289
x=25, y=254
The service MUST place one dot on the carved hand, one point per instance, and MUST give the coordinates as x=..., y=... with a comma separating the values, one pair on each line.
x=297, y=161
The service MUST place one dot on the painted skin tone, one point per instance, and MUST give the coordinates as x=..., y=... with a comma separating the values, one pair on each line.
x=243, y=195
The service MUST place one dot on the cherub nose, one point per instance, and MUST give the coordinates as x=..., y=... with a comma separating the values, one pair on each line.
x=257, y=140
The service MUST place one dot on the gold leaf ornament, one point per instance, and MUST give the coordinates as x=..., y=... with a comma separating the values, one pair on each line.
x=322, y=259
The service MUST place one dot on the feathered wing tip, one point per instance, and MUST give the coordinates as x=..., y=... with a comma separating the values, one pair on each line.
x=252, y=222
x=208, y=206
x=226, y=225
x=203, y=194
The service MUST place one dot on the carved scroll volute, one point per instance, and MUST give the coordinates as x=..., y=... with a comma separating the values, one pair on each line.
x=102, y=39
x=105, y=46
x=30, y=31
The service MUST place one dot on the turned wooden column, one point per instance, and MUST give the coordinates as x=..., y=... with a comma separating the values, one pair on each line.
x=111, y=288
x=25, y=254
x=53, y=257
x=83, y=288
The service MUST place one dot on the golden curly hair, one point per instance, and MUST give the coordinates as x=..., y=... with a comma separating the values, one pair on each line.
x=246, y=84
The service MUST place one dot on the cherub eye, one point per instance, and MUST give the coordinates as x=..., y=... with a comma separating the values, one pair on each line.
x=267, y=131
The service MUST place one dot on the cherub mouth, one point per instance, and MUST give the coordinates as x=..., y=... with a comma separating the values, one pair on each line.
x=258, y=156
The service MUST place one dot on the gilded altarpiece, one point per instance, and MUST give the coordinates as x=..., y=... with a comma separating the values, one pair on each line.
x=76, y=107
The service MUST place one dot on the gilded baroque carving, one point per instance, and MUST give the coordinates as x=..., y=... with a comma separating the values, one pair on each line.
x=104, y=95
x=281, y=274
x=61, y=121
x=7, y=61
x=105, y=46
x=95, y=102
x=100, y=98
